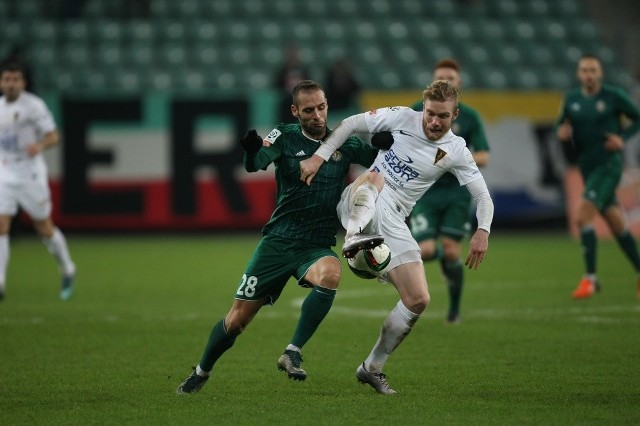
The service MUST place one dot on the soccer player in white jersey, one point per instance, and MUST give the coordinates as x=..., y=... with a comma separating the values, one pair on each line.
x=379, y=201
x=26, y=130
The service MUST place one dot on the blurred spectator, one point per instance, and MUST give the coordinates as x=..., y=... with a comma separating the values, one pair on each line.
x=288, y=76
x=342, y=88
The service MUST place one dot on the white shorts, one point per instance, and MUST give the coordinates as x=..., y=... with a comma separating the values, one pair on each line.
x=388, y=223
x=32, y=196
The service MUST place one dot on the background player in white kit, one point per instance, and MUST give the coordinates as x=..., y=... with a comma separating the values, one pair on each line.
x=379, y=201
x=26, y=129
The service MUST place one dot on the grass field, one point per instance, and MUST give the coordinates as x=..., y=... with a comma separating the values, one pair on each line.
x=525, y=353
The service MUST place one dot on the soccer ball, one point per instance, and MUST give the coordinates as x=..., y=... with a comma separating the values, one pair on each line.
x=370, y=263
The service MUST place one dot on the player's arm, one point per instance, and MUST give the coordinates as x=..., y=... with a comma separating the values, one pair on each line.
x=562, y=126
x=478, y=141
x=631, y=111
x=49, y=139
x=254, y=157
x=349, y=126
x=479, y=243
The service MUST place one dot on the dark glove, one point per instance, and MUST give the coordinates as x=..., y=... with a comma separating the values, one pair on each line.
x=382, y=140
x=251, y=142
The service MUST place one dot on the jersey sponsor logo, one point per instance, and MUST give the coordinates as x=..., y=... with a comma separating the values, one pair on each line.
x=399, y=167
x=439, y=155
x=273, y=135
x=300, y=153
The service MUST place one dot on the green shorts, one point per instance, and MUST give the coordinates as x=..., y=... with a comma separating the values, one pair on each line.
x=442, y=211
x=273, y=262
x=600, y=184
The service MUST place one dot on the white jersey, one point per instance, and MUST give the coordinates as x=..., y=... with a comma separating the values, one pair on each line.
x=22, y=122
x=414, y=162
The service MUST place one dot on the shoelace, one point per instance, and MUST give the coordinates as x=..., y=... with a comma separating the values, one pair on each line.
x=383, y=379
x=296, y=358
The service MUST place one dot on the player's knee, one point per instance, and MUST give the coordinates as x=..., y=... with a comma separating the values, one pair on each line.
x=330, y=278
x=418, y=303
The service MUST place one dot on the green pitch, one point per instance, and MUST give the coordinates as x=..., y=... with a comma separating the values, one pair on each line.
x=525, y=353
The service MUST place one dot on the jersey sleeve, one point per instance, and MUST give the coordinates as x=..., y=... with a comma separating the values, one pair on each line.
x=385, y=119
x=629, y=109
x=477, y=138
x=464, y=167
x=268, y=153
x=42, y=118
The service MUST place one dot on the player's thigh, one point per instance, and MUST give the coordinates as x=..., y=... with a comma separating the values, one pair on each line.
x=9, y=199
x=456, y=221
x=424, y=221
x=411, y=283
x=600, y=185
x=267, y=271
x=35, y=199
x=320, y=267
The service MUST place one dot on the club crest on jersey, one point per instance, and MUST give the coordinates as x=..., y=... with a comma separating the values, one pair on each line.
x=336, y=156
x=601, y=106
x=439, y=155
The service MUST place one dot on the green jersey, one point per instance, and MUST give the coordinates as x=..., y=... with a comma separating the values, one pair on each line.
x=306, y=212
x=592, y=117
x=469, y=127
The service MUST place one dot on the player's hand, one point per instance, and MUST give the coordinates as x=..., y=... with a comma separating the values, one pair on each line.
x=564, y=131
x=382, y=140
x=34, y=149
x=613, y=142
x=477, y=249
x=309, y=168
x=251, y=142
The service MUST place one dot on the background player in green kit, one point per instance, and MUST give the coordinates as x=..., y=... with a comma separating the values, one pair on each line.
x=298, y=238
x=591, y=118
x=444, y=210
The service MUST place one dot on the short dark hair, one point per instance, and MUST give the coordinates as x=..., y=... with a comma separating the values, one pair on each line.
x=448, y=63
x=305, y=85
x=590, y=56
x=13, y=67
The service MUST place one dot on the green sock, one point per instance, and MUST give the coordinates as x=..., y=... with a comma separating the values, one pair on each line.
x=589, y=244
x=628, y=245
x=314, y=309
x=454, y=272
x=219, y=342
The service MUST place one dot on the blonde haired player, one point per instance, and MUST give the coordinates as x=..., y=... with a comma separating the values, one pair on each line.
x=26, y=130
x=379, y=201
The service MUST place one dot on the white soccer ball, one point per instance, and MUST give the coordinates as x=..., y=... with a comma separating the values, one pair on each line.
x=370, y=263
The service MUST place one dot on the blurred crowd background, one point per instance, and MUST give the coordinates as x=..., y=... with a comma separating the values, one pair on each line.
x=138, y=45
x=152, y=95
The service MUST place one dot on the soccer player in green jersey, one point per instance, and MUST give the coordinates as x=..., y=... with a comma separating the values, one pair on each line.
x=298, y=238
x=444, y=210
x=591, y=118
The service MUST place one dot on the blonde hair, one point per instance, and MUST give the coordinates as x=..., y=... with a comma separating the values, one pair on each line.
x=441, y=91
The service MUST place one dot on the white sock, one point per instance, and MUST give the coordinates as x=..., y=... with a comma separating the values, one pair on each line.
x=395, y=328
x=57, y=246
x=200, y=372
x=361, y=208
x=291, y=347
x=4, y=259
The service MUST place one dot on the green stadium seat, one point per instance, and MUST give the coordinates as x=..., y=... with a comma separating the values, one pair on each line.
x=488, y=30
x=77, y=55
x=75, y=32
x=139, y=31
